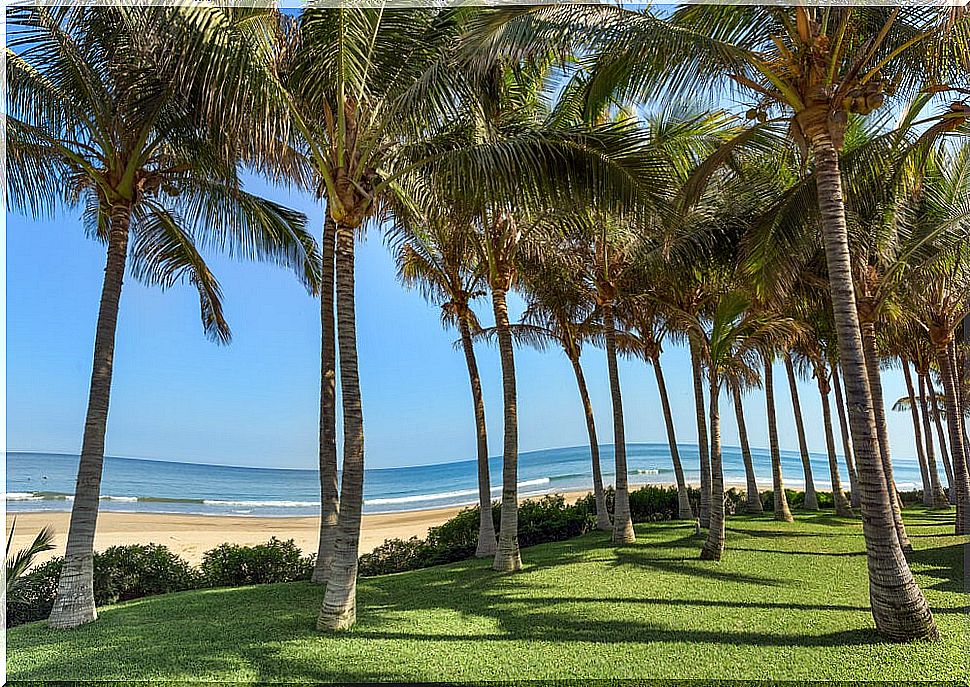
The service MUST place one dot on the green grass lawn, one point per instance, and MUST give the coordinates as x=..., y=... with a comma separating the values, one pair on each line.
x=787, y=601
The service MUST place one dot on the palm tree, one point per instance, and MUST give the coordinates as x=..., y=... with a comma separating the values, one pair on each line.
x=557, y=312
x=781, y=510
x=754, y=504
x=856, y=494
x=928, y=493
x=921, y=364
x=358, y=90
x=811, y=500
x=92, y=123
x=941, y=435
x=329, y=487
x=821, y=374
x=733, y=342
x=440, y=260
x=645, y=340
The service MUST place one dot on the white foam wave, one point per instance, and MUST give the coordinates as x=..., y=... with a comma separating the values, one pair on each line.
x=257, y=504
x=126, y=499
x=440, y=496
x=651, y=471
x=23, y=496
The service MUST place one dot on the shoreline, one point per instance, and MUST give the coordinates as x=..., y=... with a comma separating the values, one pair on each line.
x=189, y=534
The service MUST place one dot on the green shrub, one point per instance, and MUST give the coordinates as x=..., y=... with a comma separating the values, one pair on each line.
x=231, y=565
x=395, y=555
x=35, y=596
x=550, y=519
x=131, y=572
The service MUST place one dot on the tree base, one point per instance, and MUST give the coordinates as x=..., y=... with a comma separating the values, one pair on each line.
x=708, y=554
x=337, y=621
x=784, y=516
x=507, y=563
x=486, y=547
x=74, y=603
x=623, y=533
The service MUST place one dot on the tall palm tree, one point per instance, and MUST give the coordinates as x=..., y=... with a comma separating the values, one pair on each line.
x=753, y=494
x=821, y=374
x=327, y=449
x=781, y=510
x=92, y=122
x=644, y=339
x=811, y=500
x=941, y=435
x=856, y=495
x=359, y=90
x=557, y=312
x=440, y=259
x=733, y=343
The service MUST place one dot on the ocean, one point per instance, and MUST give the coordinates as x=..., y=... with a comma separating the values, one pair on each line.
x=45, y=481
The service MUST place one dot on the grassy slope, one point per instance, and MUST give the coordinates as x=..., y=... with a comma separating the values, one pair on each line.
x=788, y=601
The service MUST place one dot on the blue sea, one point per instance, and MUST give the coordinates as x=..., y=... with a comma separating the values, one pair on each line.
x=45, y=481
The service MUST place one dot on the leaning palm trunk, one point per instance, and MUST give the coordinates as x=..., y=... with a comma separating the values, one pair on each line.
x=871, y=356
x=811, y=499
x=841, y=503
x=917, y=434
x=702, y=445
x=599, y=494
x=961, y=484
x=782, y=511
x=714, y=546
x=898, y=607
x=329, y=488
x=622, y=521
x=938, y=497
x=339, y=611
x=74, y=603
x=941, y=435
x=754, y=504
x=684, y=511
x=486, y=526
x=507, y=558
x=856, y=495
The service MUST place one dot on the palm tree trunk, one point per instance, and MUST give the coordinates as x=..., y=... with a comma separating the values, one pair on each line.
x=871, y=357
x=936, y=488
x=856, y=494
x=684, y=511
x=599, y=494
x=838, y=496
x=339, y=611
x=714, y=546
x=486, y=525
x=941, y=435
x=811, y=499
x=918, y=434
x=329, y=488
x=961, y=483
x=782, y=511
x=507, y=558
x=702, y=445
x=754, y=496
x=899, y=608
x=74, y=603
x=622, y=521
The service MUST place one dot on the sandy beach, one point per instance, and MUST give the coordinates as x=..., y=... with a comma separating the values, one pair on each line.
x=191, y=535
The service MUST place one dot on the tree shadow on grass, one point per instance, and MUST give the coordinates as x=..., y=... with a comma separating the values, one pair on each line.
x=944, y=563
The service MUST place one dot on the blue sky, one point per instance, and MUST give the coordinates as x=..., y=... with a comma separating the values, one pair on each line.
x=177, y=396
